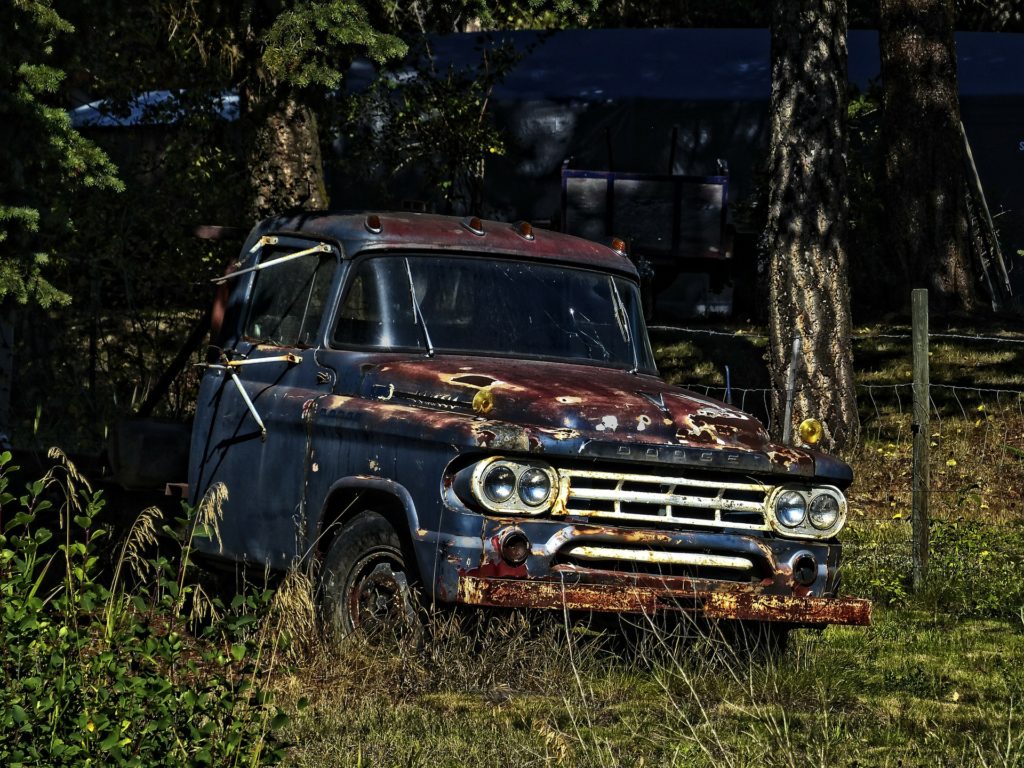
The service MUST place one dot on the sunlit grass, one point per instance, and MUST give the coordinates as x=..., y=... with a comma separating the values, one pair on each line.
x=915, y=689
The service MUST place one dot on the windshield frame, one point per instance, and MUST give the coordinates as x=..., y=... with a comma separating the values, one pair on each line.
x=641, y=358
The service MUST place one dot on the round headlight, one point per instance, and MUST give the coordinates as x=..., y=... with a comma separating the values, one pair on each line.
x=790, y=509
x=534, y=487
x=824, y=511
x=499, y=483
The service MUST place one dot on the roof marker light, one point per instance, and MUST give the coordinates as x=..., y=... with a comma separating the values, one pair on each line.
x=619, y=245
x=373, y=224
x=524, y=229
x=474, y=225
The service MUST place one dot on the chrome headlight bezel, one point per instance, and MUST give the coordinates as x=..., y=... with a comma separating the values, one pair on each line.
x=806, y=529
x=780, y=505
x=515, y=504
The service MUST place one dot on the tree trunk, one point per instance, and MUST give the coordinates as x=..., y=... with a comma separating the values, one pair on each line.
x=924, y=177
x=285, y=167
x=807, y=218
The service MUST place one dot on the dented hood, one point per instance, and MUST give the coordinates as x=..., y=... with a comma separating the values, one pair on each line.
x=586, y=409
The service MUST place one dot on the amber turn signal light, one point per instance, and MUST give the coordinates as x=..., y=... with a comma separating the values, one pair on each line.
x=811, y=431
x=524, y=229
x=474, y=225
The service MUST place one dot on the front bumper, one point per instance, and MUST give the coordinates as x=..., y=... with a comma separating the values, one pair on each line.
x=584, y=566
x=670, y=594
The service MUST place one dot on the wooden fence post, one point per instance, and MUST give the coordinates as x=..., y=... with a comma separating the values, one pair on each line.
x=922, y=437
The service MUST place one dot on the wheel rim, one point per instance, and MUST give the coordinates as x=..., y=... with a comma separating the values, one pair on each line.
x=378, y=595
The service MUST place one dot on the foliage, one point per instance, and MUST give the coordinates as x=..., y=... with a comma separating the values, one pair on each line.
x=975, y=567
x=877, y=564
x=298, y=43
x=431, y=123
x=46, y=165
x=867, y=257
x=140, y=282
x=94, y=672
x=303, y=42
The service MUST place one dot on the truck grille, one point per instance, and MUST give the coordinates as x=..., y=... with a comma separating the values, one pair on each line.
x=664, y=499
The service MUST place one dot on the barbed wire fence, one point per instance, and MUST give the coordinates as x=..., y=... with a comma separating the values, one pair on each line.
x=974, y=438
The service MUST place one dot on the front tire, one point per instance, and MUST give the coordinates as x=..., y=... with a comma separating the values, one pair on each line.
x=366, y=584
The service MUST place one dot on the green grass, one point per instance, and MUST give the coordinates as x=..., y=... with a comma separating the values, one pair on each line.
x=916, y=688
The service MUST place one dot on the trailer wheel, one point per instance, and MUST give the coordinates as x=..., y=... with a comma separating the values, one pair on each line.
x=366, y=584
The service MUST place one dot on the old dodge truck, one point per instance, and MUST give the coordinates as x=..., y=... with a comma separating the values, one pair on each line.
x=470, y=411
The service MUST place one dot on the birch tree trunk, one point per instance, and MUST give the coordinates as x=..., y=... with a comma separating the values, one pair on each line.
x=807, y=218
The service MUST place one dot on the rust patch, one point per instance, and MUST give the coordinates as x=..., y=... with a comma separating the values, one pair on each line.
x=501, y=437
x=563, y=433
x=785, y=456
x=692, y=432
x=471, y=380
x=800, y=610
x=498, y=569
x=383, y=391
x=731, y=604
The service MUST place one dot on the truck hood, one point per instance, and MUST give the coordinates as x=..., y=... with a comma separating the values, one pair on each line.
x=597, y=411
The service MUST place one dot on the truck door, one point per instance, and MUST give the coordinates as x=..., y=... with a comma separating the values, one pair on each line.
x=250, y=420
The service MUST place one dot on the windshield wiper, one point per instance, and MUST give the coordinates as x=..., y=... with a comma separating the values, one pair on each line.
x=418, y=318
x=622, y=318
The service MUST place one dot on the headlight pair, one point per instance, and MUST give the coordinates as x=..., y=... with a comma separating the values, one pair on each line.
x=816, y=513
x=517, y=487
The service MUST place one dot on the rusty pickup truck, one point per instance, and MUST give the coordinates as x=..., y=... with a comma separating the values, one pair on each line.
x=469, y=412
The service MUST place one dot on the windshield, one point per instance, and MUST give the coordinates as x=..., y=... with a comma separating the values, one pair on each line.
x=492, y=307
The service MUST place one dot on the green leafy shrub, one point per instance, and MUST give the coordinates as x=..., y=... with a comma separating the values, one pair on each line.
x=91, y=673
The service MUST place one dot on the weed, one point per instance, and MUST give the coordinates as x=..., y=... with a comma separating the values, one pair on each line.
x=92, y=674
x=975, y=568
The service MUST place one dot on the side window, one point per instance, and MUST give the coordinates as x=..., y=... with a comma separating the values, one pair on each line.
x=288, y=299
x=377, y=310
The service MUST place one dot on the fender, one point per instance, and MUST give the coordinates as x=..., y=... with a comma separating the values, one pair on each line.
x=371, y=483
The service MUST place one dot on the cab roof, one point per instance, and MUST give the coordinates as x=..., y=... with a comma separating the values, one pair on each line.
x=357, y=233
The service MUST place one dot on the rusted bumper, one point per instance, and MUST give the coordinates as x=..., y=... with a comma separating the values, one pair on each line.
x=811, y=611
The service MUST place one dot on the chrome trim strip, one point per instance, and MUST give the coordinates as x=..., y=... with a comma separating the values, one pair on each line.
x=665, y=480
x=587, y=552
